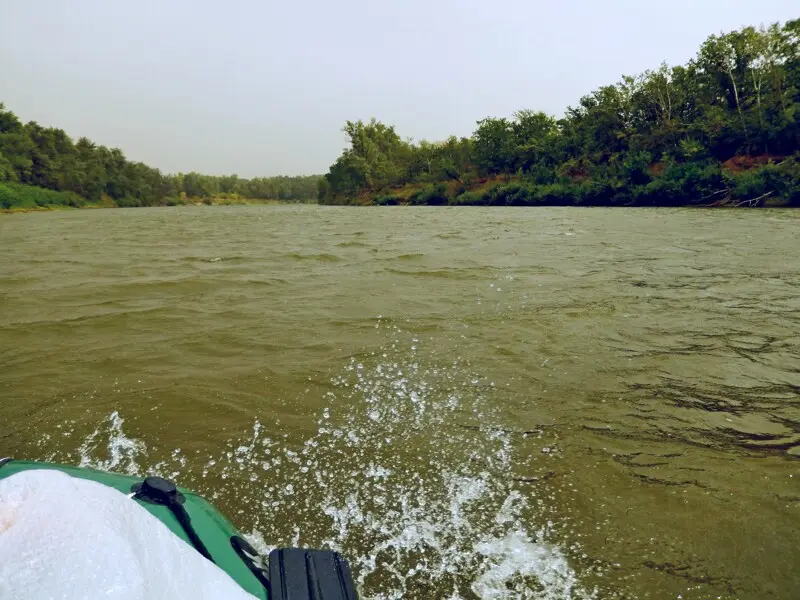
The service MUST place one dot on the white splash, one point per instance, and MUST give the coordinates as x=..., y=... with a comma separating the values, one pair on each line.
x=542, y=569
x=406, y=476
x=118, y=452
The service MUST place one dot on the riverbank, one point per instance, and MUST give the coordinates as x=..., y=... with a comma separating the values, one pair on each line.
x=19, y=198
x=707, y=133
x=742, y=181
x=43, y=167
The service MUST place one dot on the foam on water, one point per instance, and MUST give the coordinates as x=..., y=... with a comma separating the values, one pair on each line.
x=106, y=448
x=122, y=451
x=407, y=474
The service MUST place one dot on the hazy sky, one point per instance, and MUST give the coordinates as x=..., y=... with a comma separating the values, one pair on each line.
x=261, y=87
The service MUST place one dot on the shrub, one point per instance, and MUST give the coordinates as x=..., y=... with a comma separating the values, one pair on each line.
x=433, y=195
x=386, y=200
x=692, y=183
x=506, y=195
x=128, y=202
x=559, y=194
x=468, y=199
x=781, y=181
x=17, y=195
x=540, y=174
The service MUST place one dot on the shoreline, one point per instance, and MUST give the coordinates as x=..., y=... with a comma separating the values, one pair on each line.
x=215, y=202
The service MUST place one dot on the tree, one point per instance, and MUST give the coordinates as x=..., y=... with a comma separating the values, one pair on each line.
x=15, y=147
x=535, y=138
x=495, y=146
x=725, y=60
x=676, y=134
x=47, y=158
x=377, y=157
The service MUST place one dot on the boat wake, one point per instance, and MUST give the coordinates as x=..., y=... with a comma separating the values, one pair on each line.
x=405, y=475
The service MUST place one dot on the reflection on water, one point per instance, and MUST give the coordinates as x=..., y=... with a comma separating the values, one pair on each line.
x=467, y=403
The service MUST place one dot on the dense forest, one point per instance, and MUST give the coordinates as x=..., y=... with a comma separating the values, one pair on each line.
x=42, y=166
x=722, y=130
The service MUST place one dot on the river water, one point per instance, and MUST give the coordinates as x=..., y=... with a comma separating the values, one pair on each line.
x=469, y=403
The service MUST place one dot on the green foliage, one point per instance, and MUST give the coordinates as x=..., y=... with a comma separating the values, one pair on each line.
x=685, y=183
x=690, y=149
x=15, y=195
x=781, y=182
x=128, y=202
x=431, y=195
x=658, y=138
x=535, y=140
x=562, y=194
x=494, y=146
x=635, y=165
x=506, y=195
x=323, y=188
x=387, y=200
x=47, y=158
x=377, y=157
x=468, y=199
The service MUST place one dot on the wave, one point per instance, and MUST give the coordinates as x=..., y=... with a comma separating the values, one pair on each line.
x=320, y=257
x=406, y=474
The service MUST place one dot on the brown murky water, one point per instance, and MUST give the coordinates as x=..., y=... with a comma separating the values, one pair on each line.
x=469, y=403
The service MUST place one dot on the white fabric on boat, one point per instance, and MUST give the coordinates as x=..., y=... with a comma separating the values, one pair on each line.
x=64, y=538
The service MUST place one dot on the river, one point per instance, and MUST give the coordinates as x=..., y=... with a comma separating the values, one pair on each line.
x=469, y=403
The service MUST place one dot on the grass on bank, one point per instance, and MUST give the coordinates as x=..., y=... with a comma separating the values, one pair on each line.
x=17, y=197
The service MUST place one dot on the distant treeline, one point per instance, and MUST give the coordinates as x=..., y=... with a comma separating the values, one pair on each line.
x=722, y=130
x=42, y=166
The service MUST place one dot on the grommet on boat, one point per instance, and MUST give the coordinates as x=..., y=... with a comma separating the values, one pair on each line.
x=162, y=491
x=158, y=491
